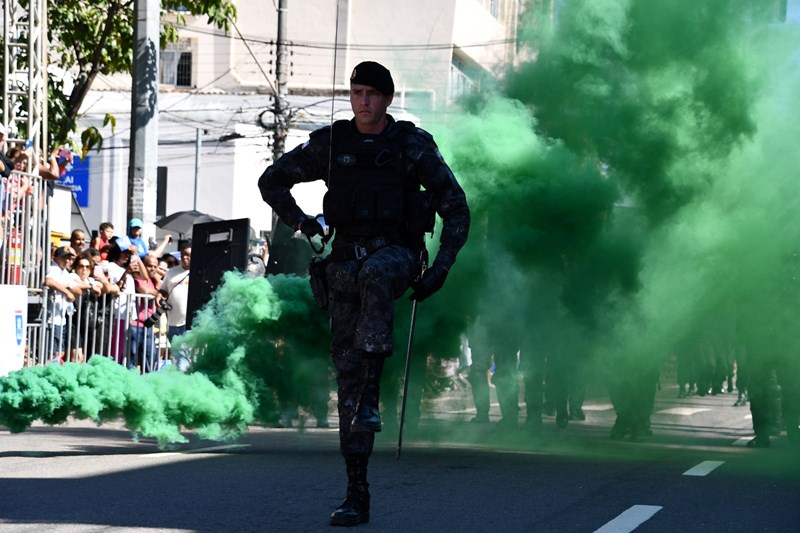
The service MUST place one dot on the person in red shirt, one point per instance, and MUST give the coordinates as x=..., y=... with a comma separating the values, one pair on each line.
x=103, y=239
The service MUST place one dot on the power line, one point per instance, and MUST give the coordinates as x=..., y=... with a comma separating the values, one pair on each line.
x=365, y=47
x=244, y=41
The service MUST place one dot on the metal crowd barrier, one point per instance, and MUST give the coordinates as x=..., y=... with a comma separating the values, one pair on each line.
x=24, y=243
x=112, y=326
x=107, y=325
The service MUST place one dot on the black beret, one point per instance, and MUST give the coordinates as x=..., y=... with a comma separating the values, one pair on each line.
x=375, y=75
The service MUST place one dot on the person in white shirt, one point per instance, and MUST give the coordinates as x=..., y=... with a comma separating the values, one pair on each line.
x=175, y=292
x=60, y=283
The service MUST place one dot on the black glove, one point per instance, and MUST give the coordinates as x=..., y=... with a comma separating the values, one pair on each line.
x=311, y=227
x=431, y=281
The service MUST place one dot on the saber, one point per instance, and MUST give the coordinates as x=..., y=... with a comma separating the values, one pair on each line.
x=405, y=379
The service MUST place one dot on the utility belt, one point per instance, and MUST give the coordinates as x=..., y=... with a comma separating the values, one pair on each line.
x=359, y=250
x=316, y=269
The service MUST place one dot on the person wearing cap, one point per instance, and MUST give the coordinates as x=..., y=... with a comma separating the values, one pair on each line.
x=61, y=295
x=386, y=181
x=135, y=235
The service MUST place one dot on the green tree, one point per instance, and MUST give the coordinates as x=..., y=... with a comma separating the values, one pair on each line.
x=92, y=37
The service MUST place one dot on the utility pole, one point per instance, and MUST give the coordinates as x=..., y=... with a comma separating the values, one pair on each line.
x=143, y=162
x=280, y=110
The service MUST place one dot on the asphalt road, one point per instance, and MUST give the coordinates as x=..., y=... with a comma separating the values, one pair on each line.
x=693, y=474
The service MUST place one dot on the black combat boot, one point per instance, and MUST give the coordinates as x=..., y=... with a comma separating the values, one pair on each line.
x=354, y=509
x=368, y=416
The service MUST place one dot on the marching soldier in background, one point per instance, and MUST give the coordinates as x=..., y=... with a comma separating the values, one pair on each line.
x=376, y=169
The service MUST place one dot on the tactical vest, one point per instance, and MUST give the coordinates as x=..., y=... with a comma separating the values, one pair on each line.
x=370, y=192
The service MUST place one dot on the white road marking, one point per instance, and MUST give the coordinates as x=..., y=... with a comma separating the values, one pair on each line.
x=198, y=450
x=703, y=469
x=742, y=441
x=683, y=411
x=598, y=407
x=595, y=407
x=630, y=519
x=748, y=417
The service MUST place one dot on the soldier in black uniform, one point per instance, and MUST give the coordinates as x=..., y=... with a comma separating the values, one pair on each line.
x=386, y=180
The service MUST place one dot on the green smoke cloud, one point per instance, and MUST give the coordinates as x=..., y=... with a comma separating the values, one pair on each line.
x=156, y=405
x=634, y=186
x=258, y=344
x=282, y=334
x=638, y=174
x=657, y=90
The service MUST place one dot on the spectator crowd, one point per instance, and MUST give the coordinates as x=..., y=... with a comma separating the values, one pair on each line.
x=115, y=296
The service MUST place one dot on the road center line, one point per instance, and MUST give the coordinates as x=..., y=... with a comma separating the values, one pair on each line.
x=630, y=519
x=703, y=469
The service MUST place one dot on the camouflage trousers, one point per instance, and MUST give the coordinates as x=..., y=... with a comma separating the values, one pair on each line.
x=361, y=303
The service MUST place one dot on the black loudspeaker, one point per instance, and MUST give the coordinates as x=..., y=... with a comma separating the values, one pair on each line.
x=216, y=248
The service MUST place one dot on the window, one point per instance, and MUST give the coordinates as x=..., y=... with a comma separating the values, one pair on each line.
x=176, y=64
x=460, y=82
x=494, y=8
x=184, y=75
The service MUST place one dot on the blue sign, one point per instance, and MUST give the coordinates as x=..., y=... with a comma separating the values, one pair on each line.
x=20, y=327
x=75, y=175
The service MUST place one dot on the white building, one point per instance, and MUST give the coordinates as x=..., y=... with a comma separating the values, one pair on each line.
x=221, y=85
